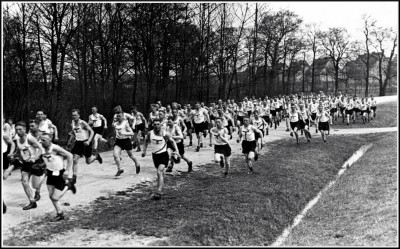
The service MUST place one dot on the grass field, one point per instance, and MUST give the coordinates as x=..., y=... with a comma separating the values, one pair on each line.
x=204, y=209
x=386, y=117
x=361, y=208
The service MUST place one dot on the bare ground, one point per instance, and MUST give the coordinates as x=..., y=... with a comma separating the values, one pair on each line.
x=97, y=180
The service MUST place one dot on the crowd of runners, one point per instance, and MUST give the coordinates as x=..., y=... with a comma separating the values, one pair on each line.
x=33, y=146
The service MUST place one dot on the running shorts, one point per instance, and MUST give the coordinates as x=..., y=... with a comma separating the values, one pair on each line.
x=81, y=149
x=294, y=125
x=323, y=126
x=124, y=144
x=57, y=181
x=248, y=146
x=224, y=149
x=162, y=158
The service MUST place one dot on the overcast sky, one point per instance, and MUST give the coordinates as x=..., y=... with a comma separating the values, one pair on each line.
x=344, y=14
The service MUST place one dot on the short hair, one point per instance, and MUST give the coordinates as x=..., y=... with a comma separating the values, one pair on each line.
x=119, y=112
x=94, y=106
x=34, y=121
x=157, y=120
x=41, y=110
x=47, y=134
x=170, y=118
x=76, y=110
x=20, y=123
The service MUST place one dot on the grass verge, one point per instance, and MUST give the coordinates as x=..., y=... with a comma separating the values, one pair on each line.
x=360, y=209
x=204, y=209
x=386, y=117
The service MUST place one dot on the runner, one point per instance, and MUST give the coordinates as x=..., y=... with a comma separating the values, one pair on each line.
x=8, y=148
x=188, y=122
x=349, y=109
x=265, y=114
x=140, y=127
x=200, y=117
x=373, y=107
x=158, y=138
x=53, y=159
x=304, y=121
x=175, y=130
x=222, y=150
x=28, y=153
x=322, y=122
x=83, y=135
x=260, y=124
x=46, y=126
x=123, y=131
x=294, y=118
x=247, y=133
x=98, y=123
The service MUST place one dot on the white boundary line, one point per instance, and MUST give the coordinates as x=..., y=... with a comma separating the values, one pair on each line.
x=357, y=155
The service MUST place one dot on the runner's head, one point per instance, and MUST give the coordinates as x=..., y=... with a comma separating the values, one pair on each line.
x=46, y=139
x=40, y=114
x=218, y=122
x=76, y=114
x=246, y=120
x=120, y=116
x=256, y=113
x=94, y=109
x=33, y=125
x=157, y=124
x=174, y=113
x=20, y=128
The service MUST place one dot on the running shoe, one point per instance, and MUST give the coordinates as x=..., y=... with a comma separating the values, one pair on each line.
x=60, y=216
x=169, y=169
x=138, y=149
x=324, y=141
x=99, y=159
x=287, y=129
x=201, y=145
x=190, y=166
x=37, y=196
x=250, y=171
x=71, y=186
x=30, y=206
x=256, y=157
x=137, y=169
x=197, y=149
x=291, y=134
x=225, y=174
x=119, y=172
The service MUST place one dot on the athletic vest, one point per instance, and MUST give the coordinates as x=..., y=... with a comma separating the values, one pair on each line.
x=248, y=133
x=4, y=145
x=44, y=126
x=159, y=145
x=259, y=124
x=323, y=117
x=174, y=131
x=96, y=119
x=216, y=133
x=80, y=134
x=54, y=162
x=199, y=116
x=25, y=148
x=138, y=118
x=294, y=117
x=303, y=114
x=121, y=127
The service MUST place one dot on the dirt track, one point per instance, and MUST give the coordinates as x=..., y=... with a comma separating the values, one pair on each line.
x=97, y=180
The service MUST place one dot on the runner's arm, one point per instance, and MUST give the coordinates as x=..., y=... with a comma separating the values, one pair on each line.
x=146, y=143
x=67, y=155
x=34, y=143
x=90, y=130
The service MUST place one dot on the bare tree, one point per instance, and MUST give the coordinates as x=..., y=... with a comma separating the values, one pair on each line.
x=336, y=43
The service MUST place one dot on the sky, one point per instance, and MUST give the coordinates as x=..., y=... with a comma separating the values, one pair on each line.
x=344, y=14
